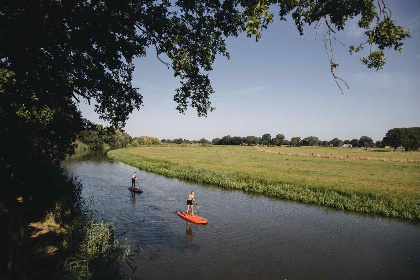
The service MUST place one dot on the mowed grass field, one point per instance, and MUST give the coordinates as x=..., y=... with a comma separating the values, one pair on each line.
x=325, y=173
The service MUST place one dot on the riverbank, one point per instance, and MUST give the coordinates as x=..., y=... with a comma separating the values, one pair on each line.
x=49, y=232
x=376, y=187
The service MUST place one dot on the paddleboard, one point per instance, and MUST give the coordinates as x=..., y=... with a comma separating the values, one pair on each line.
x=192, y=218
x=136, y=190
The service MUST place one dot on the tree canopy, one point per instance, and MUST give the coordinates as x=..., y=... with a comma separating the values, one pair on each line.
x=310, y=141
x=409, y=138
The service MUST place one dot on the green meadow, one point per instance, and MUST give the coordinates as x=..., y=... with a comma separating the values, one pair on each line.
x=367, y=181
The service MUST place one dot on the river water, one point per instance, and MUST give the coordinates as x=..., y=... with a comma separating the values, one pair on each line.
x=247, y=237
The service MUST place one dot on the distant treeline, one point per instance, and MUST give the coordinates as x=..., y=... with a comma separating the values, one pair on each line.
x=280, y=140
x=186, y=141
x=408, y=138
x=97, y=137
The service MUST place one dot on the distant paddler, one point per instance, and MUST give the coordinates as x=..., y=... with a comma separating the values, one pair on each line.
x=133, y=180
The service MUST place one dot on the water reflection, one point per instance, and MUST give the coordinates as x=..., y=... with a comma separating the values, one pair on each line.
x=92, y=156
x=189, y=232
x=133, y=199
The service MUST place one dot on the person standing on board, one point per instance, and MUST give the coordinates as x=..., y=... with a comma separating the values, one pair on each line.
x=190, y=203
x=133, y=180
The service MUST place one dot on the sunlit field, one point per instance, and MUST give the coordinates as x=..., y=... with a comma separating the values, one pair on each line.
x=351, y=153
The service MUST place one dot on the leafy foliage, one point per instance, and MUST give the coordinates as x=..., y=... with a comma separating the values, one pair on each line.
x=409, y=138
x=355, y=143
x=145, y=140
x=366, y=142
x=96, y=136
x=252, y=140
x=120, y=139
x=266, y=139
x=310, y=141
x=278, y=140
x=336, y=142
x=295, y=142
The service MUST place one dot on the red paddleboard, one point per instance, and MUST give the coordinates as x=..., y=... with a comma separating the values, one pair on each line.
x=137, y=190
x=192, y=218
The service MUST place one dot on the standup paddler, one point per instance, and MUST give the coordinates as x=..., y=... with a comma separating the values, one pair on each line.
x=190, y=203
x=133, y=180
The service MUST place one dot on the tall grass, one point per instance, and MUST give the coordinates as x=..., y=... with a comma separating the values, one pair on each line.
x=97, y=255
x=345, y=199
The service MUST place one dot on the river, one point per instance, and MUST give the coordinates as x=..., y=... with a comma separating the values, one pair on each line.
x=247, y=237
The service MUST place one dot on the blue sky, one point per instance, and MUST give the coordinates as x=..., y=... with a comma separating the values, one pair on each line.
x=282, y=84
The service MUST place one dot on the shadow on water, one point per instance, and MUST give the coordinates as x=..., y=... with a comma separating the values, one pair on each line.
x=248, y=236
x=93, y=156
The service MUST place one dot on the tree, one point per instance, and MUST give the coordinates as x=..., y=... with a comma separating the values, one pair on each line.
x=146, y=140
x=324, y=143
x=366, y=141
x=278, y=140
x=310, y=141
x=96, y=136
x=409, y=138
x=355, y=143
x=378, y=144
x=396, y=137
x=266, y=139
x=236, y=140
x=295, y=142
x=204, y=141
x=226, y=140
x=252, y=140
x=215, y=141
x=336, y=142
x=121, y=139
x=178, y=141
x=413, y=141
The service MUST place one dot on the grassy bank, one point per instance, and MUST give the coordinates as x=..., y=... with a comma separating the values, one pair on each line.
x=388, y=188
x=48, y=231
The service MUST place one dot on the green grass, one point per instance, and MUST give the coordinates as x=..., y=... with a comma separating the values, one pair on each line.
x=353, y=153
x=388, y=188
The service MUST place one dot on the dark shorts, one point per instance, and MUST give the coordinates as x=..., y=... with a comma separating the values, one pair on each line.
x=189, y=202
